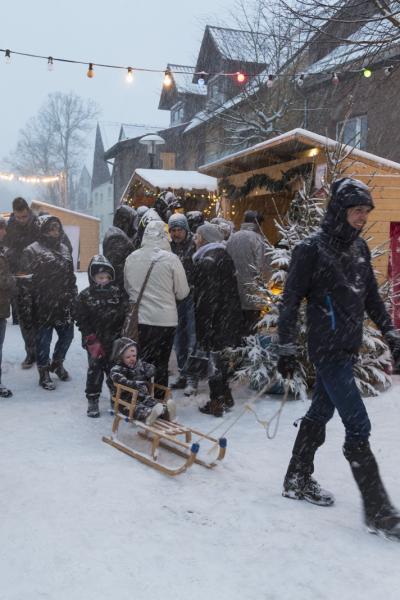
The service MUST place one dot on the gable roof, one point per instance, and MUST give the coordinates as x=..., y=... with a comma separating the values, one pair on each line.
x=285, y=147
x=238, y=45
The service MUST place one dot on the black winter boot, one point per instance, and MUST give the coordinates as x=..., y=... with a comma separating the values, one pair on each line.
x=28, y=361
x=93, y=406
x=57, y=367
x=45, y=380
x=380, y=515
x=215, y=406
x=298, y=483
x=228, y=398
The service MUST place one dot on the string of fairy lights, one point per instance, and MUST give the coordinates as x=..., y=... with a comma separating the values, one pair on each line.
x=33, y=179
x=201, y=76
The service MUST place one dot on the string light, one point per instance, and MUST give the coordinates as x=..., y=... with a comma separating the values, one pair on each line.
x=50, y=64
x=90, y=71
x=300, y=80
x=129, y=75
x=167, y=78
x=7, y=56
x=240, y=77
x=335, y=79
x=388, y=70
x=38, y=179
x=367, y=73
x=270, y=81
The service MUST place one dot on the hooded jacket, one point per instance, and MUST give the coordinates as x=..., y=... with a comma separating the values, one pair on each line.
x=100, y=310
x=332, y=270
x=216, y=298
x=167, y=282
x=139, y=377
x=7, y=285
x=19, y=237
x=51, y=293
x=117, y=242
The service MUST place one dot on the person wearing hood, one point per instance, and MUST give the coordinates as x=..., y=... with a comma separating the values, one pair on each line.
x=247, y=249
x=22, y=230
x=217, y=312
x=133, y=372
x=118, y=241
x=146, y=216
x=182, y=244
x=332, y=270
x=49, y=299
x=7, y=286
x=100, y=313
x=167, y=283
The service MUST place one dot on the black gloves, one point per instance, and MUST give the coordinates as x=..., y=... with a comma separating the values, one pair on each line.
x=287, y=361
x=287, y=365
x=392, y=338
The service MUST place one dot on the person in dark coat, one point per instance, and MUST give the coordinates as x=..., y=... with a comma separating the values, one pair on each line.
x=217, y=311
x=7, y=286
x=22, y=230
x=49, y=301
x=100, y=313
x=182, y=244
x=118, y=241
x=332, y=270
x=131, y=371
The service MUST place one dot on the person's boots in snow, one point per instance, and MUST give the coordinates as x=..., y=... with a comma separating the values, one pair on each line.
x=156, y=412
x=5, y=392
x=179, y=383
x=28, y=361
x=228, y=398
x=298, y=483
x=93, y=406
x=380, y=515
x=45, y=380
x=57, y=367
x=191, y=387
x=215, y=406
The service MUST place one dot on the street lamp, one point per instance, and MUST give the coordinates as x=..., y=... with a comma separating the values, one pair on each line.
x=151, y=141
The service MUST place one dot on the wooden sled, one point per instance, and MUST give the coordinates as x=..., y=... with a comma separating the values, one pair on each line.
x=176, y=438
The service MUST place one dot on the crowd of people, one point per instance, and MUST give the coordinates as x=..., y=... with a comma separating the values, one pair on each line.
x=189, y=280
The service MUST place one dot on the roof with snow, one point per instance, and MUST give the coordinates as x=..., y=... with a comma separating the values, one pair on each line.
x=52, y=207
x=284, y=148
x=238, y=45
x=176, y=180
x=183, y=78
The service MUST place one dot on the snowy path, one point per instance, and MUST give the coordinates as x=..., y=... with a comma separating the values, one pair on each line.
x=81, y=521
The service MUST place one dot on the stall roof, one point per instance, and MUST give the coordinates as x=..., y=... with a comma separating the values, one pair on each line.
x=284, y=148
x=38, y=204
x=187, y=180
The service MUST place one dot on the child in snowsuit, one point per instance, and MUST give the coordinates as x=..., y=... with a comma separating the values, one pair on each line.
x=129, y=370
x=6, y=288
x=100, y=314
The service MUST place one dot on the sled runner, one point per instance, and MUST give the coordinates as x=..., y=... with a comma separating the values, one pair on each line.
x=175, y=438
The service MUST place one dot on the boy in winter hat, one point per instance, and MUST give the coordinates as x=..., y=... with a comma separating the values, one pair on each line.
x=129, y=370
x=100, y=314
x=332, y=270
x=6, y=288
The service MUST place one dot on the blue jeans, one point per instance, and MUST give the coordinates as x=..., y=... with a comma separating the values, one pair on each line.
x=185, y=336
x=43, y=341
x=335, y=387
x=3, y=323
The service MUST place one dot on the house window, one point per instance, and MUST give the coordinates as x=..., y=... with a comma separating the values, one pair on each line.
x=177, y=113
x=353, y=132
x=215, y=93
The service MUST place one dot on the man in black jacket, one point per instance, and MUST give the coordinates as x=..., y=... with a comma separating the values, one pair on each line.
x=217, y=311
x=333, y=271
x=22, y=230
x=118, y=241
x=50, y=299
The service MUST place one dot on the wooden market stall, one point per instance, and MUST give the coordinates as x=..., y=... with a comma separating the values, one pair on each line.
x=265, y=178
x=197, y=191
x=82, y=230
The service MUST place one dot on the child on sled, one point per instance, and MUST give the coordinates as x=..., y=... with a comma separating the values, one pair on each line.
x=132, y=372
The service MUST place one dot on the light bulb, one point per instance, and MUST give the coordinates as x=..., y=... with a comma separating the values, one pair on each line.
x=270, y=81
x=167, y=78
x=367, y=73
x=201, y=82
x=241, y=77
x=90, y=71
x=50, y=64
x=388, y=70
x=300, y=81
x=7, y=56
x=129, y=75
x=335, y=79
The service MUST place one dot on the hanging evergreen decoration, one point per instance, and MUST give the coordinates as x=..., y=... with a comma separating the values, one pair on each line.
x=263, y=181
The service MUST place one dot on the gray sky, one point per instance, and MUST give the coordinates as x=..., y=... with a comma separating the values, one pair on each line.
x=145, y=33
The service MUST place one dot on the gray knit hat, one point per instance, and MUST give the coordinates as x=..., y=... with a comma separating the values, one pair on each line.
x=178, y=220
x=210, y=233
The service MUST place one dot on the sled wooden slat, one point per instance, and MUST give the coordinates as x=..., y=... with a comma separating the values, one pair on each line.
x=161, y=433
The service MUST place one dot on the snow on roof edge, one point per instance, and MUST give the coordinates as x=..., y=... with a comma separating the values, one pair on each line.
x=67, y=210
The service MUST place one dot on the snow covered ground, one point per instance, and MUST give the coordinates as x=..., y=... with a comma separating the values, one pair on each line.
x=82, y=521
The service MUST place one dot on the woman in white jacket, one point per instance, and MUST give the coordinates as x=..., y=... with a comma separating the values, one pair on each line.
x=158, y=316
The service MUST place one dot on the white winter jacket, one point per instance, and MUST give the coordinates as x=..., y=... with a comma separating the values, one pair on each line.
x=167, y=282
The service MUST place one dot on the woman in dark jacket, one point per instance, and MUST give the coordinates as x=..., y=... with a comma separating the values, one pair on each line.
x=217, y=310
x=50, y=298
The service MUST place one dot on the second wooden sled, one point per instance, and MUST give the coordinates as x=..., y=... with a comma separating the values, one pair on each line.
x=176, y=438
